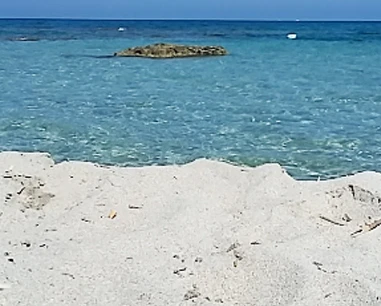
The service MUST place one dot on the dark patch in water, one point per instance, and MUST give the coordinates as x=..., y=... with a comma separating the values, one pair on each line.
x=102, y=56
x=369, y=33
x=265, y=35
x=332, y=39
x=115, y=29
x=87, y=56
x=159, y=36
x=215, y=34
x=35, y=39
x=24, y=39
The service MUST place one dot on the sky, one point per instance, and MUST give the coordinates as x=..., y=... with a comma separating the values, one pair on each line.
x=194, y=9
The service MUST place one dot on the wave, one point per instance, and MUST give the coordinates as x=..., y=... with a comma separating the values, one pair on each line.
x=215, y=34
x=112, y=33
x=24, y=39
x=369, y=33
x=36, y=39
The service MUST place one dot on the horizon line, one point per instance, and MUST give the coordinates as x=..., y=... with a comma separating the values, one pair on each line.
x=191, y=19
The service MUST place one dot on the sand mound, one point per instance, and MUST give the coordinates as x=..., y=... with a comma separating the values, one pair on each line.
x=206, y=233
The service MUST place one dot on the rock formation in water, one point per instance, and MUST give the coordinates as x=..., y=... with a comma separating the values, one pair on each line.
x=172, y=51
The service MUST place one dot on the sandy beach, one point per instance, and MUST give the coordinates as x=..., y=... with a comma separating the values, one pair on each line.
x=206, y=233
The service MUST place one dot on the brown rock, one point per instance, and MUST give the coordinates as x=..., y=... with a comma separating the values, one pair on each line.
x=172, y=51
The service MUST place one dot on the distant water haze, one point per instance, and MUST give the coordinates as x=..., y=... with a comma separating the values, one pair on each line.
x=241, y=9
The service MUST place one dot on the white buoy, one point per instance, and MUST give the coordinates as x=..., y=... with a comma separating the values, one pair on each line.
x=121, y=29
x=292, y=36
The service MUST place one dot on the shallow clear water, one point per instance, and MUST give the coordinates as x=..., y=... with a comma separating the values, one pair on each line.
x=312, y=104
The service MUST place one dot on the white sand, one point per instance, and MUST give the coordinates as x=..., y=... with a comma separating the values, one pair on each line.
x=205, y=233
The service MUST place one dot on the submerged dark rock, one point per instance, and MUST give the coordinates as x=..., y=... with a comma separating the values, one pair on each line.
x=172, y=51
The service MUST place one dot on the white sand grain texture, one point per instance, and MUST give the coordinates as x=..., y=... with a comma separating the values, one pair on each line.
x=205, y=233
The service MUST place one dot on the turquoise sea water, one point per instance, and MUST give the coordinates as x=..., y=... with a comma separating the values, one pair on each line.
x=312, y=104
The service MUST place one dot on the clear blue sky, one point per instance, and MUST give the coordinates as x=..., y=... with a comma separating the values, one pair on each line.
x=221, y=9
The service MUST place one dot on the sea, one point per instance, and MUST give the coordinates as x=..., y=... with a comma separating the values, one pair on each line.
x=312, y=104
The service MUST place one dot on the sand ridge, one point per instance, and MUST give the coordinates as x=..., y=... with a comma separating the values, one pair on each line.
x=206, y=233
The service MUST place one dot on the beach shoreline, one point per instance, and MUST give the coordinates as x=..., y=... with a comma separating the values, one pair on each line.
x=204, y=233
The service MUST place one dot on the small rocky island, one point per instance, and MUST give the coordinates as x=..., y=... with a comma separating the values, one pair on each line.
x=172, y=51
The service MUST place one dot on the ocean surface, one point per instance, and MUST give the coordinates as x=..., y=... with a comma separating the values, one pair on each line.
x=312, y=104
